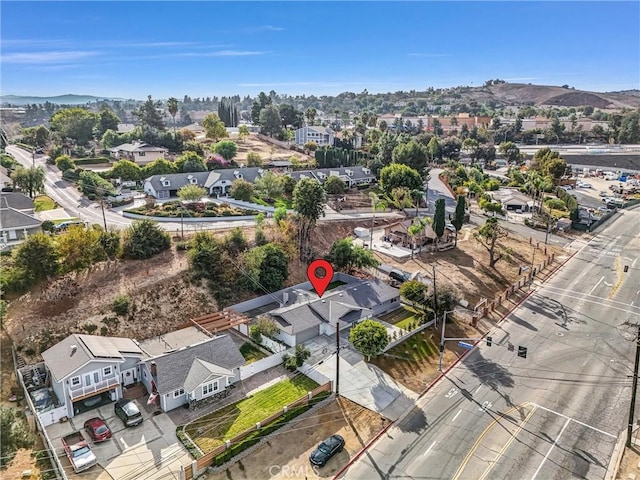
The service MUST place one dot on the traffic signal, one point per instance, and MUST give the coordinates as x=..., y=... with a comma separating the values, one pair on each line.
x=522, y=352
x=489, y=341
x=626, y=268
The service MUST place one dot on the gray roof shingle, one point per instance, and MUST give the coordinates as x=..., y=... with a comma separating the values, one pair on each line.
x=11, y=219
x=190, y=364
x=16, y=200
x=62, y=360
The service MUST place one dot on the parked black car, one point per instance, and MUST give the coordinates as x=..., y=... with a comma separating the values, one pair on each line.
x=327, y=449
x=128, y=412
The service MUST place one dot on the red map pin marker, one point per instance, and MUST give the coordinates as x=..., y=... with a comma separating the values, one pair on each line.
x=320, y=284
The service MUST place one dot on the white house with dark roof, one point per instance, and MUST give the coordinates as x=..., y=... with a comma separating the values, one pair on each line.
x=352, y=176
x=15, y=224
x=302, y=315
x=138, y=152
x=84, y=367
x=322, y=136
x=216, y=182
x=194, y=372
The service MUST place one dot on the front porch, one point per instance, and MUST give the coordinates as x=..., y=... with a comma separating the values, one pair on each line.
x=80, y=393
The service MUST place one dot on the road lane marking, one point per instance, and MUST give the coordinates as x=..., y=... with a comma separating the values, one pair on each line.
x=477, y=389
x=482, y=435
x=429, y=449
x=577, y=421
x=493, y=462
x=451, y=393
x=634, y=262
x=595, y=286
x=485, y=406
x=566, y=424
x=456, y=416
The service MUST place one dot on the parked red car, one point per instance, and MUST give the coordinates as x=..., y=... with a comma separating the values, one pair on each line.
x=97, y=429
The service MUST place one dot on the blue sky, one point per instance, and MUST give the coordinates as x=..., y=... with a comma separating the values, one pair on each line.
x=132, y=49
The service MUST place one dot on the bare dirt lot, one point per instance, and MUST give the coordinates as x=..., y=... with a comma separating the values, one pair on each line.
x=286, y=454
x=268, y=151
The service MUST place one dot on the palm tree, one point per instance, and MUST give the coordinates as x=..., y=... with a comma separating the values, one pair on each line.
x=172, y=106
x=414, y=230
x=376, y=204
x=417, y=195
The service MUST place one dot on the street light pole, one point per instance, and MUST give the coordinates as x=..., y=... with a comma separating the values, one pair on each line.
x=444, y=320
x=337, y=351
x=634, y=388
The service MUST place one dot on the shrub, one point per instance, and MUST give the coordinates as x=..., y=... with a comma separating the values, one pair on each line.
x=64, y=163
x=120, y=305
x=144, y=239
x=254, y=333
x=14, y=434
x=90, y=328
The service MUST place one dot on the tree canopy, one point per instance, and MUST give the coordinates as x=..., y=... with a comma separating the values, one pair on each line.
x=369, y=337
x=398, y=175
x=346, y=256
x=37, y=257
x=30, y=180
x=214, y=127
x=226, y=148
x=75, y=123
x=144, y=239
x=149, y=116
x=268, y=267
x=192, y=193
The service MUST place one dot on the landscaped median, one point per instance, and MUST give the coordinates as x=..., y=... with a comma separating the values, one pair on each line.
x=175, y=209
x=226, y=432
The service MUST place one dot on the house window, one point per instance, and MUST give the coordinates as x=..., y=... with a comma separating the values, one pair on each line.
x=166, y=183
x=75, y=381
x=96, y=377
x=178, y=393
x=141, y=154
x=106, y=371
x=209, y=388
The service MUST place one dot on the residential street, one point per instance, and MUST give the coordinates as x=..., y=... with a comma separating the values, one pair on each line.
x=556, y=413
x=76, y=205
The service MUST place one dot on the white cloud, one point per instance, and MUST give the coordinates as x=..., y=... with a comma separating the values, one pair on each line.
x=47, y=57
x=262, y=28
x=221, y=53
x=150, y=44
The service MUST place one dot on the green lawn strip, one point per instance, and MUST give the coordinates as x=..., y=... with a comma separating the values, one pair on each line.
x=286, y=203
x=212, y=430
x=417, y=347
x=250, y=353
x=255, y=437
x=43, y=203
x=335, y=284
x=62, y=220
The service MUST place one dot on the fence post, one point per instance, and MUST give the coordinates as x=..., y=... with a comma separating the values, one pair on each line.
x=194, y=469
x=181, y=474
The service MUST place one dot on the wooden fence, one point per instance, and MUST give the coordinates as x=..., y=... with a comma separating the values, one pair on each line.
x=200, y=464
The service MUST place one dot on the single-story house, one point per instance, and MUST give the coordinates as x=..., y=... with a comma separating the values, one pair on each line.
x=512, y=199
x=18, y=201
x=138, y=152
x=86, y=366
x=216, y=182
x=322, y=136
x=15, y=225
x=192, y=373
x=352, y=176
x=303, y=315
x=398, y=234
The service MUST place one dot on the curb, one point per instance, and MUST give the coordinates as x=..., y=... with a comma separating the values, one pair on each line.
x=443, y=373
x=363, y=449
x=616, y=458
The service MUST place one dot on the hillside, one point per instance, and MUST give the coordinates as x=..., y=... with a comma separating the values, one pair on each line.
x=68, y=99
x=515, y=93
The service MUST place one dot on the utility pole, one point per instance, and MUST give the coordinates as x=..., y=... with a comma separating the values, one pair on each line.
x=337, y=352
x=104, y=218
x=435, y=295
x=634, y=388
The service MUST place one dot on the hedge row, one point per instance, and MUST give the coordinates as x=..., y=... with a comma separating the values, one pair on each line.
x=91, y=160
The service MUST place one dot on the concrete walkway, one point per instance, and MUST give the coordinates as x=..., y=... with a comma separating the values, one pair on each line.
x=360, y=382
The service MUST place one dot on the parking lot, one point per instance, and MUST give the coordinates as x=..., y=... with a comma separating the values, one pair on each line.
x=150, y=450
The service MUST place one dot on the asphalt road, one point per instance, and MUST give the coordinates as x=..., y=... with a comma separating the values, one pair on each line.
x=75, y=204
x=553, y=415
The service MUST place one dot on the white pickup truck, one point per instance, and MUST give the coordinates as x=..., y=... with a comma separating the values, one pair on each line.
x=78, y=452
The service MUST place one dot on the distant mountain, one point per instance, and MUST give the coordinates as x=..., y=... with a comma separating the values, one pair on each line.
x=69, y=99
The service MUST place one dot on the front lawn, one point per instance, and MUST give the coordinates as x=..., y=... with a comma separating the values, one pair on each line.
x=250, y=353
x=402, y=317
x=43, y=203
x=212, y=430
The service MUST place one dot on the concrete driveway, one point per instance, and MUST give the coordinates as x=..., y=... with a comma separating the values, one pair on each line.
x=150, y=450
x=360, y=382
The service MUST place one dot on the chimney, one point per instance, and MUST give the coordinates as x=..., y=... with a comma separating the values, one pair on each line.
x=154, y=371
x=285, y=299
x=74, y=349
